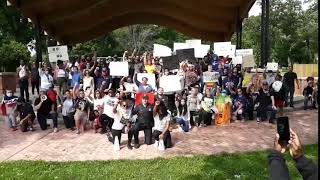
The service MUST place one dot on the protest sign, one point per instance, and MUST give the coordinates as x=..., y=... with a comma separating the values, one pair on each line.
x=58, y=53
x=186, y=54
x=151, y=79
x=170, y=62
x=223, y=49
x=161, y=50
x=248, y=61
x=193, y=43
x=244, y=52
x=272, y=66
x=237, y=60
x=171, y=83
x=210, y=77
x=178, y=46
x=119, y=68
x=139, y=96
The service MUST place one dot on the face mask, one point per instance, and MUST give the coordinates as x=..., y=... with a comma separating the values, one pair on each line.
x=183, y=103
x=223, y=94
x=9, y=94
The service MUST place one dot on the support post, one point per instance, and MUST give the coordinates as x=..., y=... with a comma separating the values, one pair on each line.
x=38, y=41
x=262, y=48
x=267, y=41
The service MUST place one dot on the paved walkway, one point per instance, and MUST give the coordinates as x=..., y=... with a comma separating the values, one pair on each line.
x=67, y=146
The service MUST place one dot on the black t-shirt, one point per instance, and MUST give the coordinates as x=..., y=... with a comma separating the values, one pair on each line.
x=81, y=104
x=164, y=99
x=145, y=115
x=307, y=91
x=26, y=110
x=264, y=99
x=46, y=106
x=289, y=78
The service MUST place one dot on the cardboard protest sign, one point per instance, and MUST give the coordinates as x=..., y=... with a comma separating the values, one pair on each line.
x=272, y=66
x=237, y=60
x=161, y=50
x=151, y=79
x=210, y=77
x=244, y=52
x=248, y=61
x=170, y=62
x=193, y=42
x=186, y=54
x=178, y=46
x=119, y=68
x=171, y=83
x=58, y=53
x=139, y=96
x=223, y=49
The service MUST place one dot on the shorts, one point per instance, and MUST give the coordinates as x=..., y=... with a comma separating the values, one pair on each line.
x=81, y=116
x=279, y=103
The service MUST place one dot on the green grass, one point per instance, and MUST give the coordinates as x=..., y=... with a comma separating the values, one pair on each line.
x=249, y=166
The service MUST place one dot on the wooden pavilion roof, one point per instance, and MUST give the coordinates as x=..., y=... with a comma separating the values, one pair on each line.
x=73, y=21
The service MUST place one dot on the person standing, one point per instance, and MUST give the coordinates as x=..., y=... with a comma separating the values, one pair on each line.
x=289, y=78
x=35, y=78
x=23, y=74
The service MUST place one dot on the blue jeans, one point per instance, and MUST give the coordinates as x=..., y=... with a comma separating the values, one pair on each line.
x=183, y=123
x=11, y=120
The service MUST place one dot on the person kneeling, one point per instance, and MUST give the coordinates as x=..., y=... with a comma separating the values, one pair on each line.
x=121, y=119
x=26, y=115
x=45, y=110
x=161, y=132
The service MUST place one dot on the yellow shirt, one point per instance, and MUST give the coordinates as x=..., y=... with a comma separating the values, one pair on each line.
x=246, y=79
x=150, y=69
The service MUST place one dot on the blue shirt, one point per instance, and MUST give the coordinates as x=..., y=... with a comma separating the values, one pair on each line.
x=75, y=79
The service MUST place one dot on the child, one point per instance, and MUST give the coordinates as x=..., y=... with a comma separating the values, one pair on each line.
x=10, y=103
x=97, y=122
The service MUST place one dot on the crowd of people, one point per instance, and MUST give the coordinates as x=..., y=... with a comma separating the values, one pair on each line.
x=88, y=97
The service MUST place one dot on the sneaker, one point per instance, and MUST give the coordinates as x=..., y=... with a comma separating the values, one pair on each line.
x=156, y=144
x=258, y=120
x=136, y=146
x=110, y=139
x=78, y=132
x=31, y=129
x=129, y=146
x=55, y=130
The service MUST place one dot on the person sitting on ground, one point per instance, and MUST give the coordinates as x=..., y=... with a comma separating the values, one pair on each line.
x=143, y=87
x=265, y=103
x=277, y=164
x=45, y=110
x=222, y=108
x=144, y=121
x=308, y=93
x=205, y=114
x=10, y=106
x=239, y=107
x=26, y=114
x=182, y=117
x=161, y=125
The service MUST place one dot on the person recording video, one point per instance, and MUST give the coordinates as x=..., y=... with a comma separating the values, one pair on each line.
x=278, y=166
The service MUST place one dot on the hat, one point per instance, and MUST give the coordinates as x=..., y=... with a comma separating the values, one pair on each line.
x=224, y=91
x=20, y=100
x=145, y=97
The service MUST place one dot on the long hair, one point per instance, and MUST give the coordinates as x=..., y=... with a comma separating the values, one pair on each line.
x=162, y=110
x=183, y=109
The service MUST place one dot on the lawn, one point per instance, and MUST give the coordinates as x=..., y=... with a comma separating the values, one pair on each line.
x=250, y=166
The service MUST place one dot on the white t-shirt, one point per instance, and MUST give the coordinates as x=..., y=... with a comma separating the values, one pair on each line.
x=98, y=103
x=45, y=80
x=22, y=71
x=67, y=107
x=88, y=82
x=109, y=103
x=61, y=73
x=160, y=125
x=117, y=125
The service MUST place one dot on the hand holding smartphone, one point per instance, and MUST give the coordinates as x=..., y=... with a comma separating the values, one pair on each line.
x=283, y=130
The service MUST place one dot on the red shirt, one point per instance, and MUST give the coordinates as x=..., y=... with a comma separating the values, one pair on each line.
x=52, y=95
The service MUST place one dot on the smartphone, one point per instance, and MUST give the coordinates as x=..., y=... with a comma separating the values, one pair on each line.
x=283, y=130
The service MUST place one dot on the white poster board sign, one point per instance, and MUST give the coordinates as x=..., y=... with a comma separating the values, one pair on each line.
x=58, y=53
x=193, y=42
x=161, y=50
x=272, y=66
x=248, y=61
x=233, y=51
x=119, y=68
x=210, y=77
x=177, y=46
x=223, y=48
x=244, y=52
x=171, y=83
x=237, y=60
x=151, y=79
x=201, y=50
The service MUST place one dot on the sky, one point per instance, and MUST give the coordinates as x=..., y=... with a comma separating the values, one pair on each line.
x=256, y=9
